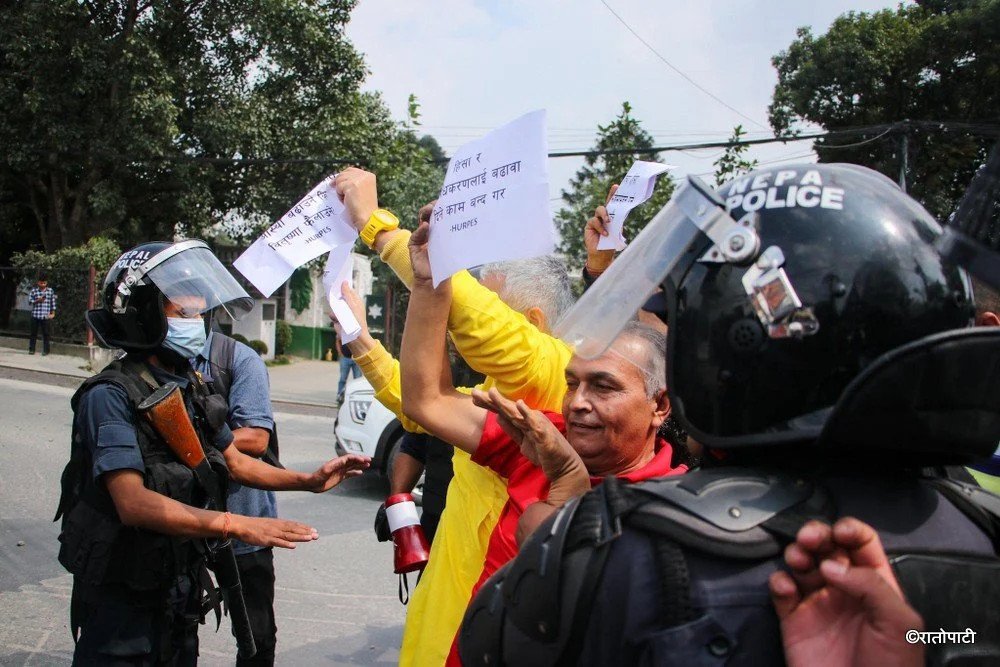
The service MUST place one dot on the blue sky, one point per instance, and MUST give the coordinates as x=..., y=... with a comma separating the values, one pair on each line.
x=477, y=65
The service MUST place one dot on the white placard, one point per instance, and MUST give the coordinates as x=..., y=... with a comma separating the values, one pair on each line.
x=635, y=188
x=494, y=205
x=340, y=269
x=316, y=224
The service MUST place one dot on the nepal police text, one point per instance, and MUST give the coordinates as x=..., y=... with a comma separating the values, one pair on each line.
x=788, y=189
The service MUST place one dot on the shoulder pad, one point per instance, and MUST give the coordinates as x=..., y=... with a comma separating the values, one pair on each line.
x=746, y=513
x=527, y=607
x=531, y=591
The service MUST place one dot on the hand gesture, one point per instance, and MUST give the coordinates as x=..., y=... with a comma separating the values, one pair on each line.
x=271, y=532
x=597, y=226
x=356, y=305
x=841, y=605
x=335, y=471
x=419, y=259
x=358, y=190
x=539, y=439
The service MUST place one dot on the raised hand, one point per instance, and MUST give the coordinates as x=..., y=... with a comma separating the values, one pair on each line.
x=596, y=227
x=540, y=441
x=271, y=532
x=356, y=305
x=424, y=214
x=335, y=471
x=841, y=604
x=419, y=259
x=358, y=190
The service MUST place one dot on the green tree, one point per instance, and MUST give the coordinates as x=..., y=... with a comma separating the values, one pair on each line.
x=733, y=162
x=932, y=61
x=94, y=95
x=589, y=187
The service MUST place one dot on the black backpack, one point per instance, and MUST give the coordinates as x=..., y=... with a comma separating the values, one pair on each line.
x=220, y=359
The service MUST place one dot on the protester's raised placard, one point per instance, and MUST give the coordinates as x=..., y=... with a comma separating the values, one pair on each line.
x=494, y=205
x=316, y=224
x=635, y=188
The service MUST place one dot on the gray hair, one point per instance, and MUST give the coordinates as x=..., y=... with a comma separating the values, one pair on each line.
x=536, y=282
x=654, y=344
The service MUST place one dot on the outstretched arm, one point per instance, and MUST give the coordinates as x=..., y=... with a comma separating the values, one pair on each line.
x=253, y=472
x=429, y=398
x=143, y=508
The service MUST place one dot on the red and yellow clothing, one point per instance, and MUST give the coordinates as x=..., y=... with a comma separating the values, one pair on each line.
x=522, y=363
x=527, y=484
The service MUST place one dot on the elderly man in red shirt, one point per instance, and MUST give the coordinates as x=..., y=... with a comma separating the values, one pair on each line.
x=608, y=426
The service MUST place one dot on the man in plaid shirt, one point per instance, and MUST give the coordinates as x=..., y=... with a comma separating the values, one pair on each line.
x=43, y=308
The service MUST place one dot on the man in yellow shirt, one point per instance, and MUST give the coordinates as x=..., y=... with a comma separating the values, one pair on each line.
x=518, y=357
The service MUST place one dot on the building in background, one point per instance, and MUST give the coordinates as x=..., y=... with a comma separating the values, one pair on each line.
x=312, y=334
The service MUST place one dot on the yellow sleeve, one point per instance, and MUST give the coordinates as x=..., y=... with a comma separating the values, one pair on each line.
x=501, y=343
x=396, y=254
x=382, y=371
x=493, y=338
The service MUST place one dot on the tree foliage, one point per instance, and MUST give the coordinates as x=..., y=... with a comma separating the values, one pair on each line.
x=98, y=251
x=95, y=94
x=733, y=162
x=937, y=60
x=589, y=187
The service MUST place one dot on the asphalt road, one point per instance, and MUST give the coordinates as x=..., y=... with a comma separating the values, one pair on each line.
x=336, y=599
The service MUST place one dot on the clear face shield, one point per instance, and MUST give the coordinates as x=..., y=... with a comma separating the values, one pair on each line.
x=593, y=324
x=188, y=274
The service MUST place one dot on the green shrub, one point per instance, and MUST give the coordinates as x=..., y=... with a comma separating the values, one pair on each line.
x=258, y=346
x=282, y=336
x=279, y=360
x=240, y=338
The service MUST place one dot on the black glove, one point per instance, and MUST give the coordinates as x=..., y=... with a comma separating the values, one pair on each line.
x=382, y=531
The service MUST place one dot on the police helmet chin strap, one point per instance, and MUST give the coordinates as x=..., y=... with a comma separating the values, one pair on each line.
x=134, y=276
x=771, y=293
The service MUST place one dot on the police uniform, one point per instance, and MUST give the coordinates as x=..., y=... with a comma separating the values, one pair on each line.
x=137, y=595
x=818, y=347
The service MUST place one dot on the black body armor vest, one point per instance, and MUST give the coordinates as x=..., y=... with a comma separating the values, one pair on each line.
x=675, y=570
x=95, y=546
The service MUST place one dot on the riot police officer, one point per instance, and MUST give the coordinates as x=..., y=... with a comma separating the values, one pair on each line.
x=818, y=347
x=133, y=524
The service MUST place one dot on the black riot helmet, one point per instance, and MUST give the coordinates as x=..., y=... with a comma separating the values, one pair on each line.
x=781, y=288
x=132, y=317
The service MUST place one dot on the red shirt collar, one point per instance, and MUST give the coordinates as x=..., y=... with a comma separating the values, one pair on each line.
x=659, y=466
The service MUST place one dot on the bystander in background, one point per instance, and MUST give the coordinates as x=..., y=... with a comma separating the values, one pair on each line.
x=43, y=308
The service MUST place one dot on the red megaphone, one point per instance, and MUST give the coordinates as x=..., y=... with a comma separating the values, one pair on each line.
x=411, y=548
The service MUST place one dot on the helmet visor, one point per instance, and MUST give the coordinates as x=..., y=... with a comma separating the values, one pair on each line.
x=198, y=282
x=594, y=322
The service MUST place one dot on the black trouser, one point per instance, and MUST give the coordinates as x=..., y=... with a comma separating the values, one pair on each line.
x=35, y=324
x=120, y=628
x=257, y=577
x=438, y=472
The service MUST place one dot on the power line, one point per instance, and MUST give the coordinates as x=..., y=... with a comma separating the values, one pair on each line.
x=675, y=69
x=991, y=130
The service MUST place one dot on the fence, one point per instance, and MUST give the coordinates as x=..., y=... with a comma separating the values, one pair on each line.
x=75, y=289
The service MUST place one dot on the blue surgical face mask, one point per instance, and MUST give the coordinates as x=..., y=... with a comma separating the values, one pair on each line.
x=185, y=336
